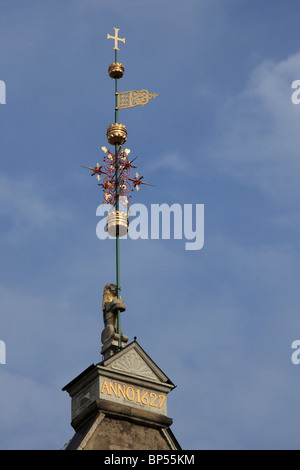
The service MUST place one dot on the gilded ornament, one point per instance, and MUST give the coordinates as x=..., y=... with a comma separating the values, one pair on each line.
x=129, y=99
x=116, y=39
x=116, y=134
x=117, y=223
x=116, y=70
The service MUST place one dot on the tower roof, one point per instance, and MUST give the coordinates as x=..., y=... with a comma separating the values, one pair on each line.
x=125, y=395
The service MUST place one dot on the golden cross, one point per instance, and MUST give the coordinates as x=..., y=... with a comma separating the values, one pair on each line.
x=116, y=38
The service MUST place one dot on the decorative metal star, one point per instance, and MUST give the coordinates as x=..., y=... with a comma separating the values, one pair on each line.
x=124, y=183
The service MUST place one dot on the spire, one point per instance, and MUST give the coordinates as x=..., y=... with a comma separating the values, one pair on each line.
x=117, y=182
x=121, y=402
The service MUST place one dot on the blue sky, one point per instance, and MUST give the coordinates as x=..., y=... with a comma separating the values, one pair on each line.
x=223, y=132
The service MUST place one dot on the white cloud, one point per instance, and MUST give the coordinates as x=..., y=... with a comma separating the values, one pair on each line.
x=174, y=162
x=259, y=132
x=26, y=205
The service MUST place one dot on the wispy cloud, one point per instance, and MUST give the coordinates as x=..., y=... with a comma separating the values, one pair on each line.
x=173, y=161
x=27, y=205
x=258, y=131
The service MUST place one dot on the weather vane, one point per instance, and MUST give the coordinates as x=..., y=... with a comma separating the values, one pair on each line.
x=114, y=175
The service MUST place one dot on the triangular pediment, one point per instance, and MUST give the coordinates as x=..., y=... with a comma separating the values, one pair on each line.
x=134, y=361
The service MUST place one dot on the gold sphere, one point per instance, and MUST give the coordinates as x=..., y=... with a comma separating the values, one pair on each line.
x=116, y=70
x=116, y=134
x=117, y=223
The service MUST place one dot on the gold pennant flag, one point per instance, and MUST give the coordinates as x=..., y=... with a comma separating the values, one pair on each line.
x=129, y=99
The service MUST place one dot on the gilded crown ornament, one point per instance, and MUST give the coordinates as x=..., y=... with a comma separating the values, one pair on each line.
x=117, y=223
x=116, y=134
x=116, y=70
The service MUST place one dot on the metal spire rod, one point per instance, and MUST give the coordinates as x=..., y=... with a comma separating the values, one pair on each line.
x=115, y=177
x=117, y=208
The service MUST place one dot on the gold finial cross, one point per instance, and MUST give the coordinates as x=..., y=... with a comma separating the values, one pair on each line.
x=116, y=38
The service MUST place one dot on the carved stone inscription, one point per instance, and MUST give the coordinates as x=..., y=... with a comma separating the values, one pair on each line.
x=133, y=395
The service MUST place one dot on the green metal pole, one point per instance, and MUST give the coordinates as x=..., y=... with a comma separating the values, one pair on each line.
x=117, y=208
